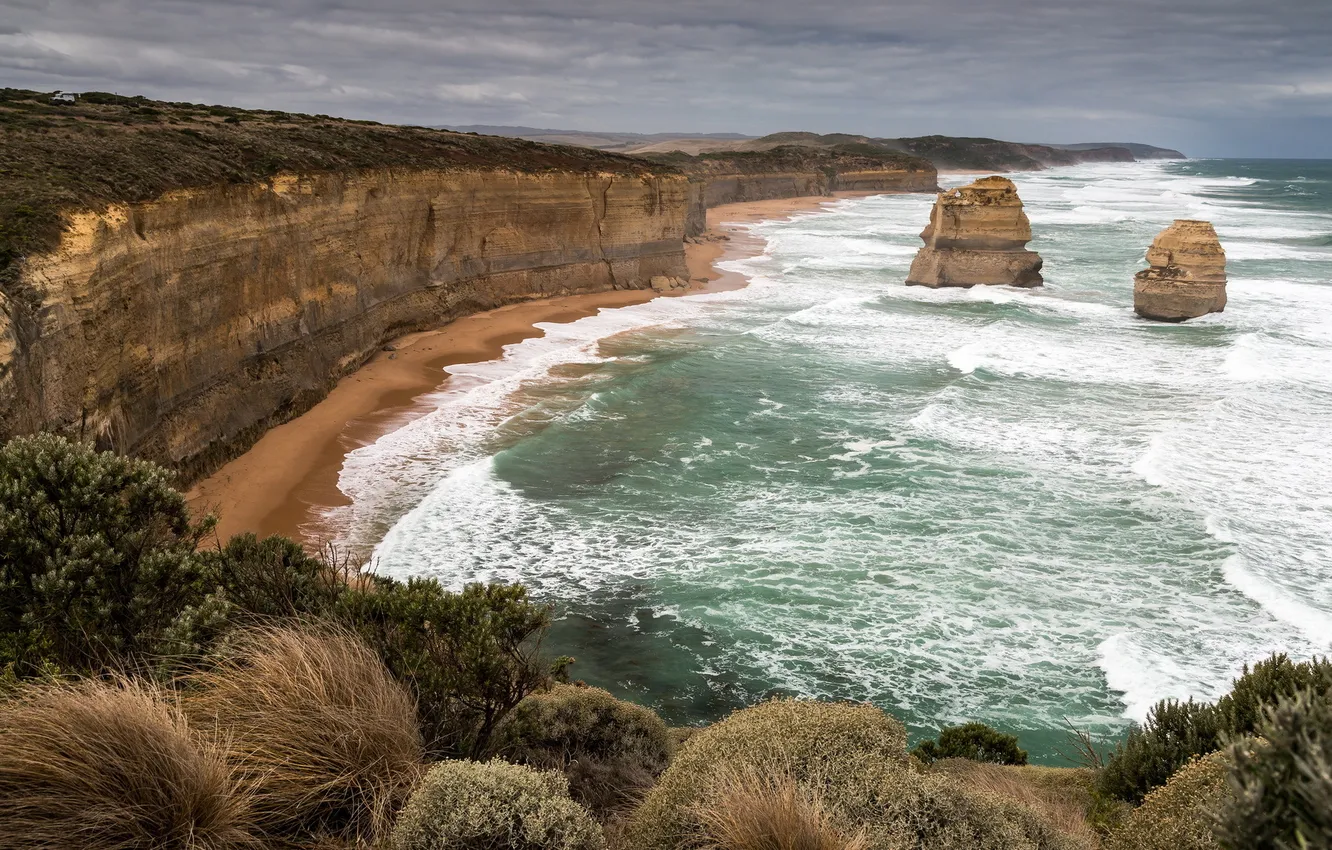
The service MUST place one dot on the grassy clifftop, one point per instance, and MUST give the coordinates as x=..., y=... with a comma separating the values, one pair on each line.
x=112, y=149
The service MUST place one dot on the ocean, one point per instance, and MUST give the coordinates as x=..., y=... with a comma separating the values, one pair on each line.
x=1029, y=508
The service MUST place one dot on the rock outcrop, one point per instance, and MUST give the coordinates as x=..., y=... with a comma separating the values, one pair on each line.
x=180, y=329
x=977, y=235
x=1187, y=277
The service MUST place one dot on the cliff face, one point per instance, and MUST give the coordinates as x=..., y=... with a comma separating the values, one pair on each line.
x=794, y=172
x=181, y=328
x=1187, y=274
x=977, y=235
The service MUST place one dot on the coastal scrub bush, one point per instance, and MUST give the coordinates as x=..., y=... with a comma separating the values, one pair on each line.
x=97, y=558
x=1175, y=733
x=854, y=757
x=112, y=765
x=1064, y=796
x=1179, y=814
x=318, y=729
x=1265, y=685
x=467, y=805
x=608, y=748
x=974, y=741
x=757, y=810
x=1283, y=786
x=469, y=657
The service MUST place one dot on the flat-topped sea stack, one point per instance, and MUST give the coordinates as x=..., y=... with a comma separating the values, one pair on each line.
x=977, y=236
x=1187, y=277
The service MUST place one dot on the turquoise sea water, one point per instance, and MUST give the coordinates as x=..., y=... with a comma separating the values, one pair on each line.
x=1013, y=506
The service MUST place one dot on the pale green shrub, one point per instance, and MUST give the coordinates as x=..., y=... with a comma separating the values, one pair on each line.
x=609, y=749
x=854, y=758
x=1178, y=815
x=466, y=805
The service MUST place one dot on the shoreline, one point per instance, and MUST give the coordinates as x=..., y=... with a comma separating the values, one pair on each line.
x=290, y=475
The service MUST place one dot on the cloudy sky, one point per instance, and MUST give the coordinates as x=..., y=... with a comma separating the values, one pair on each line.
x=1213, y=77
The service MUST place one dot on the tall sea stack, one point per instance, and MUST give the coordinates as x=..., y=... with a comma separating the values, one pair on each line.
x=1187, y=277
x=977, y=235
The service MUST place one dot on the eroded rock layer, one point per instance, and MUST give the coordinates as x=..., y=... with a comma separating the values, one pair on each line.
x=1187, y=274
x=182, y=328
x=977, y=235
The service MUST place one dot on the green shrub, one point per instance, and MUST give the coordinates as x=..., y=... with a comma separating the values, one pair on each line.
x=112, y=765
x=1178, y=815
x=321, y=733
x=854, y=757
x=1174, y=734
x=608, y=748
x=974, y=741
x=1283, y=786
x=465, y=805
x=1266, y=685
x=97, y=558
x=469, y=657
x=275, y=578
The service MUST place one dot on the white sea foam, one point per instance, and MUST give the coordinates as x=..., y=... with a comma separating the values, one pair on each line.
x=991, y=503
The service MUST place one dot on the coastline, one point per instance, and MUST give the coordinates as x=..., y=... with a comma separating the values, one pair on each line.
x=290, y=475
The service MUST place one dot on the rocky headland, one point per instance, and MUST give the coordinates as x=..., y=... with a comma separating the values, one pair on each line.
x=175, y=279
x=1187, y=274
x=977, y=235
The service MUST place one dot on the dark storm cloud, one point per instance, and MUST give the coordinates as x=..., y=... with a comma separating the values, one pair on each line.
x=1213, y=77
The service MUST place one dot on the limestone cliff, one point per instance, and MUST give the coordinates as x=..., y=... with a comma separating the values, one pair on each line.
x=977, y=235
x=1187, y=274
x=794, y=172
x=181, y=326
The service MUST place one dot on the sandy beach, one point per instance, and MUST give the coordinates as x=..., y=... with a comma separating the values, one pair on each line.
x=282, y=484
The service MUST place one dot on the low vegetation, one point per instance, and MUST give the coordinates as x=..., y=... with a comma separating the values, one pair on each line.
x=158, y=694
x=1177, y=732
x=1283, y=787
x=317, y=729
x=463, y=805
x=854, y=758
x=752, y=809
x=1179, y=814
x=974, y=741
x=609, y=749
x=113, y=764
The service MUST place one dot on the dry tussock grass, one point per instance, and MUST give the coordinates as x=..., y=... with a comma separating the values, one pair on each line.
x=112, y=765
x=752, y=810
x=1062, y=796
x=319, y=731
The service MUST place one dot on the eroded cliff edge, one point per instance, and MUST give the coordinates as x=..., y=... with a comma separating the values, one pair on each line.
x=181, y=327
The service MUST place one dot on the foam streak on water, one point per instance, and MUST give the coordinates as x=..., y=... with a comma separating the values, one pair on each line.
x=990, y=504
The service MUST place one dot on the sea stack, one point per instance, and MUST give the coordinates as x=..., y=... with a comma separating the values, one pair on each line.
x=1187, y=277
x=977, y=235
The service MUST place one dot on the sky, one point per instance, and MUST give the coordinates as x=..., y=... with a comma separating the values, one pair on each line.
x=1210, y=77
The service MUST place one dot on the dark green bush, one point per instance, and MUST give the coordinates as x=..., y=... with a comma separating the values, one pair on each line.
x=974, y=741
x=276, y=578
x=1283, y=786
x=1175, y=733
x=1265, y=685
x=608, y=748
x=97, y=558
x=469, y=657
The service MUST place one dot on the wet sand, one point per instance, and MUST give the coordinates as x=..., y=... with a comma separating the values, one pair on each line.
x=285, y=481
